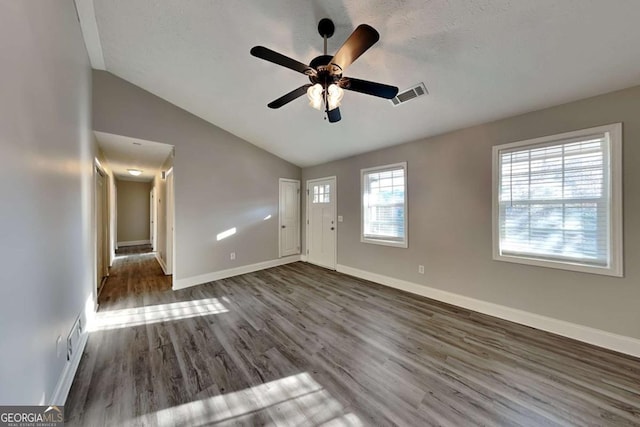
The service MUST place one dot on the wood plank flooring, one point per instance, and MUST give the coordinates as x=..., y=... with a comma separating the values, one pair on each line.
x=300, y=345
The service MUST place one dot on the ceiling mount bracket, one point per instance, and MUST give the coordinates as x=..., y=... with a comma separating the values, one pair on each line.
x=326, y=27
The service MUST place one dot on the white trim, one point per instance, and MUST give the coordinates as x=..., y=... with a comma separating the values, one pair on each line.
x=90, y=34
x=303, y=258
x=404, y=243
x=335, y=218
x=170, y=217
x=598, y=337
x=236, y=271
x=134, y=243
x=63, y=386
x=614, y=134
x=161, y=262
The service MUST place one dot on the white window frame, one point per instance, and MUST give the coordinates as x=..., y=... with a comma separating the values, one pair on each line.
x=381, y=241
x=615, y=264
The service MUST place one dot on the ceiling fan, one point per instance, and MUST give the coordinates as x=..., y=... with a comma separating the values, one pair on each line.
x=325, y=72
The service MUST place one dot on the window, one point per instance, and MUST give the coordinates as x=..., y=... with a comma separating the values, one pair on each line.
x=384, y=205
x=321, y=194
x=558, y=202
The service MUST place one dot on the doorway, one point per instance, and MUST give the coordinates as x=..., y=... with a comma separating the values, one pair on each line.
x=289, y=217
x=102, y=228
x=321, y=222
x=170, y=212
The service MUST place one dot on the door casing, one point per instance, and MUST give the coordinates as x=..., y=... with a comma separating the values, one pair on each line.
x=170, y=215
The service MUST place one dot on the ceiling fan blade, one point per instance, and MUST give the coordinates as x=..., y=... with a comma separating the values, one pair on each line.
x=369, y=88
x=279, y=59
x=285, y=99
x=358, y=42
x=334, y=115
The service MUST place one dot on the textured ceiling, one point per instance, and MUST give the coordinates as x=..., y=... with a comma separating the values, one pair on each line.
x=124, y=153
x=480, y=60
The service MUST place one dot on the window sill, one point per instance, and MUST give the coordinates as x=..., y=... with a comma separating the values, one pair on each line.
x=615, y=271
x=384, y=242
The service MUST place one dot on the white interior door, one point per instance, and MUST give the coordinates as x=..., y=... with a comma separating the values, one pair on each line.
x=289, y=217
x=321, y=222
x=151, y=221
x=153, y=218
x=170, y=220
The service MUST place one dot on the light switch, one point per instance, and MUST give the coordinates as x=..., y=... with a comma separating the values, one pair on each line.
x=339, y=218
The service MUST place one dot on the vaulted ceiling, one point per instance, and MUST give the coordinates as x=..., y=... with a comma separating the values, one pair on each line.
x=480, y=60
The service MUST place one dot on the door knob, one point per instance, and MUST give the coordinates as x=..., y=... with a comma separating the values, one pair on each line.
x=284, y=226
x=333, y=228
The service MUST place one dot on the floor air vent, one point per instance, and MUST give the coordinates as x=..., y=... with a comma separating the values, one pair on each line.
x=74, y=337
x=409, y=94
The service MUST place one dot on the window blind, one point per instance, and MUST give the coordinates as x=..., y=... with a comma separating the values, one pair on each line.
x=384, y=204
x=554, y=201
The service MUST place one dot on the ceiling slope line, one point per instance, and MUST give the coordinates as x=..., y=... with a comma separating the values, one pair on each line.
x=89, y=26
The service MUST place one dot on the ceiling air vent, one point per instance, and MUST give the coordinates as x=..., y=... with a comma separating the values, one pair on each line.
x=409, y=94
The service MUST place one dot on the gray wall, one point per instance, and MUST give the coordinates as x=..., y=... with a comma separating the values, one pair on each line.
x=221, y=181
x=46, y=232
x=133, y=210
x=449, y=190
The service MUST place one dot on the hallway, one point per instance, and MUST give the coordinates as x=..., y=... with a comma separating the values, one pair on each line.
x=135, y=275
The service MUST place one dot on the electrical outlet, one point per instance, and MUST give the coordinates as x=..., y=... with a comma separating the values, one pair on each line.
x=421, y=269
x=232, y=255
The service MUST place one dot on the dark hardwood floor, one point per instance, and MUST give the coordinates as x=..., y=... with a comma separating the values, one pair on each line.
x=132, y=250
x=300, y=345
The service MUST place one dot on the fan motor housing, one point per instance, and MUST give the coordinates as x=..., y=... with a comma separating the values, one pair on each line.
x=325, y=75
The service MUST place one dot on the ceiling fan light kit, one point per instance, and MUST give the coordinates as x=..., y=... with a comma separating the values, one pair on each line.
x=325, y=72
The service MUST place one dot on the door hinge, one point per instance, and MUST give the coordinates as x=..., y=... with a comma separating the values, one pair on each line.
x=307, y=192
x=307, y=251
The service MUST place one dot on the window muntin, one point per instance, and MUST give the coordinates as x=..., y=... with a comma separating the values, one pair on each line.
x=384, y=205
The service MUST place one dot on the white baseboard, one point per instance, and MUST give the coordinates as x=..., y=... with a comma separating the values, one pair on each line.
x=236, y=271
x=161, y=262
x=600, y=338
x=134, y=243
x=63, y=386
x=303, y=258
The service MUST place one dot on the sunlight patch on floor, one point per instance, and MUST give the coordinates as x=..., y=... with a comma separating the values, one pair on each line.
x=115, y=319
x=294, y=400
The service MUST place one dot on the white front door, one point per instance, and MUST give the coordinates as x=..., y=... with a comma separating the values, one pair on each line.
x=321, y=222
x=289, y=222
